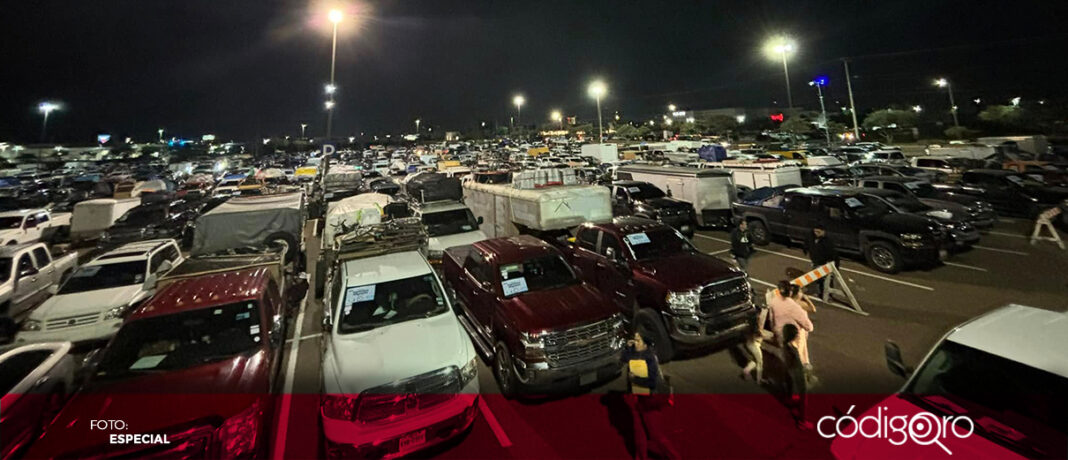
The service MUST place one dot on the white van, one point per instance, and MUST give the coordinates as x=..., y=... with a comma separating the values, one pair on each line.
x=1003, y=374
x=711, y=191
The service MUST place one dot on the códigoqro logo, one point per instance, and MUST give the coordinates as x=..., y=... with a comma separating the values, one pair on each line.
x=922, y=428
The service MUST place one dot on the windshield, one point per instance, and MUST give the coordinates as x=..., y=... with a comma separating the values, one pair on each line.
x=449, y=222
x=376, y=305
x=644, y=191
x=537, y=274
x=663, y=242
x=921, y=189
x=1012, y=404
x=865, y=206
x=905, y=203
x=107, y=276
x=5, y=269
x=142, y=217
x=1025, y=181
x=181, y=340
x=10, y=222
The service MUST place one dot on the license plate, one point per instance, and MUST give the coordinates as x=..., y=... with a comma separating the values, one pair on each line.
x=588, y=378
x=412, y=441
x=943, y=254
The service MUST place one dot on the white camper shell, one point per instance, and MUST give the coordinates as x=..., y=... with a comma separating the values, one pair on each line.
x=508, y=211
x=711, y=191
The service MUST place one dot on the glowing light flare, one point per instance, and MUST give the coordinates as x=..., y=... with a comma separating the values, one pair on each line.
x=779, y=47
x=48, y=107
x=556, y=116
x=941, y=83
x=519, y=100
x=597, y=89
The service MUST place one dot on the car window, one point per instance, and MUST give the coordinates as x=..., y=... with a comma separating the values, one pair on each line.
x=371, y=306
x=620, y=193
x=896, y=187
x=476, y=265
x=610, y=241
x=18, y=366
x=42, y=257
x=42, y=217
x=587, y=239
x=26, y=265
x=31, y=221
x=798, y=203
x=872, y=184
x=156, y=261
x=832, y=207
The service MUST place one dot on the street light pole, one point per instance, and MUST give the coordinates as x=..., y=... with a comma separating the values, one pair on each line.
x=818, y=83
x=303, y=126
x=852, y=107
x=417, y=126
x=46, y=108
x=943, y=83
x=335, y=17
x=786, y=73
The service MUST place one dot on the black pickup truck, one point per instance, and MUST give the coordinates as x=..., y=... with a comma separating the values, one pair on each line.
x=643, y=199
x=856, y=223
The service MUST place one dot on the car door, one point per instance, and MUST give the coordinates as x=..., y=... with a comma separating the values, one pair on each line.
x=24, y=407
x=27, y=283
x=479, y=292
x=45, y=267
x=611, y=272
x=838, y=220
x=621, y=205
x=584, y=252
x=799, y=216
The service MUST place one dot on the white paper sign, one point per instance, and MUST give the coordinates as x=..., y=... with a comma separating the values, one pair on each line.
x=854, y=203
x=637, y=238
x=359, y=294
x=514, y=286
x=633, y=189
x=147, y=362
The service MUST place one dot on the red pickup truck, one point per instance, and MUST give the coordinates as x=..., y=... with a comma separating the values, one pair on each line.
x=194, y=369
x=545, y=328
x=676, y=295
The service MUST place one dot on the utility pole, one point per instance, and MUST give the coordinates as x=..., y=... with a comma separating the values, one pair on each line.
x=852, y=106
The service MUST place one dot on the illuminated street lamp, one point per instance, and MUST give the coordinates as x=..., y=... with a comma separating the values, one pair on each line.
x=671, y=107
x=46, y=108
x=160, y=132
x=417, y=121
x=917, y=108
x=597, y=90
x=303, y=126
x=1015, y=101
x=780, y=48
x=943, y=83
x=335, y=17
x=557, y=117
x=518, y=102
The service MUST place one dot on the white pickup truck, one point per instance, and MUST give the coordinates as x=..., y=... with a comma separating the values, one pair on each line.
x=448, y=223
x=26, y=274
x=28, y=225
x=399, y=373
x=91, y=304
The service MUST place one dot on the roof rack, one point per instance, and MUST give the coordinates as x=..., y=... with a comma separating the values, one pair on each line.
x=397, y=235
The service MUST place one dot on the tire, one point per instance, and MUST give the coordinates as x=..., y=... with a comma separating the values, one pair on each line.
x=504, y=370
x=12, y=243
x=883, y=257
x=759, y=232
x=649, y=324
x=285, y=241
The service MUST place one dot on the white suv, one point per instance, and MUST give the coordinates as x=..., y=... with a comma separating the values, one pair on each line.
x=91, y=304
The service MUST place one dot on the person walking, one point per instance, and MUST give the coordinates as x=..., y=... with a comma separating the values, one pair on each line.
x=753, y=346
x=821, y=251
x=645, y=381
x=796, y=384
x=785, y=311
x=741, y=245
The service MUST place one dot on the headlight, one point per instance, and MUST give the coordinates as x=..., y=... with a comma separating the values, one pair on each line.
x=435, y=254
x=115, y=312
x=684, y=303
x=533, y=344
x=911, y=240
x=469, y=371
x=31, y=325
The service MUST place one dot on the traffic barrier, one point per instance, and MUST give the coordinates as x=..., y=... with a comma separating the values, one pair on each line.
x=830, y=271
x=1045, y=221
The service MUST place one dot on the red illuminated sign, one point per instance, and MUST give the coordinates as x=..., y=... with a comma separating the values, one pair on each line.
x=776, y=117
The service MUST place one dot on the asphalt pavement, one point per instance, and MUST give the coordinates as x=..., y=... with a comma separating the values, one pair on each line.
x=914, y=308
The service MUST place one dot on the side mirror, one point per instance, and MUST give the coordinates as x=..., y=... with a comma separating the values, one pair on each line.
x=480, y=220
x=150, y=281
x=610, y=253
x=894, y=361
x=275, y=333
x=165, y=267
x=89, y=364
x=486, y=286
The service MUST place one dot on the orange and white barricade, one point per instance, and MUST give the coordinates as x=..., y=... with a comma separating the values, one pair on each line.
x=1045, y=221
x=835, y=284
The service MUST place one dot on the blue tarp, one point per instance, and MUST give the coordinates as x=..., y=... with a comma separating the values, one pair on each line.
x=712, y=152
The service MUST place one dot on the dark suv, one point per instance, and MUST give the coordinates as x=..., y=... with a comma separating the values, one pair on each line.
x=167, y=219
x=1010, y=192
x=642, y=199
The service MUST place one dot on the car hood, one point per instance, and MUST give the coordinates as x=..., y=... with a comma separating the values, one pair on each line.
x=560, y=308
x=441, y=243
x=380, y=356
x=1048, y=195
x=944, y=211
x=166, y=402
x=898, y=223
x=863, y=447
x=685, y=271
x=81, y=303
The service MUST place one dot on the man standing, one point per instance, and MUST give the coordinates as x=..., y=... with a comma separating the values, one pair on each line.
x=741, y=246
x=821, y=251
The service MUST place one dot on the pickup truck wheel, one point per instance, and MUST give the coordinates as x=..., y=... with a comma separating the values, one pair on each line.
x=12, y=243
x=759, y=232
x=504, y=369
x=883, y=257
x=649, y=324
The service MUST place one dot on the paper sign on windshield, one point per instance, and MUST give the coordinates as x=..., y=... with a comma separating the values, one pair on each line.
x=86, y=272
x=359, y=294
x=514, y=286
x=854, y=203
x=912, y=185
x=633, y=189
x=637, y=238
x=147, y=362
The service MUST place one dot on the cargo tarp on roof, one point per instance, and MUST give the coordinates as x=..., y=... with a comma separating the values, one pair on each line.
x=427, y=187
x=357, y=211
x=247, y=222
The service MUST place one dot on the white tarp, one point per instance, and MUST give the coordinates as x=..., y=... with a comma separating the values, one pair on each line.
x=357, y=211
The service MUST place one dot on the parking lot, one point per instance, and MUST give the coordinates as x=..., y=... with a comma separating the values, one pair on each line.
x=913, y=308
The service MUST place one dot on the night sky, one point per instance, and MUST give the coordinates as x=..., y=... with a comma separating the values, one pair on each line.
x=245, y=69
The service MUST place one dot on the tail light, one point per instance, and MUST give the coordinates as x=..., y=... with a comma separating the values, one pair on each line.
x=236, y=438
x=338, y=407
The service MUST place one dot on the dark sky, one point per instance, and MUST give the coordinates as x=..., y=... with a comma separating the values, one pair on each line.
x=243, y=69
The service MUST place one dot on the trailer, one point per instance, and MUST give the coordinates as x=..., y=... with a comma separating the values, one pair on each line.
x=756, y=174
x=710, y=190
x=603, y=153
x=510, y=211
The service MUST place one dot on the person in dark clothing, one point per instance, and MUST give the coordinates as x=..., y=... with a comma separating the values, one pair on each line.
x=821, y=250
x=643, y=371
x=795, y=375
x=741, y=245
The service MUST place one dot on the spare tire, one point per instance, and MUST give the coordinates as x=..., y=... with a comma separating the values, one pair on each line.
x=288, y=244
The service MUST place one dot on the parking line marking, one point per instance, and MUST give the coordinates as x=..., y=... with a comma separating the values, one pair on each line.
x=309, y=336
x=1014, y=235
x=495, y=426
x=1006, y=251
x=721, y=251
x=872, y=275
x=969, y=267
x=287, y=396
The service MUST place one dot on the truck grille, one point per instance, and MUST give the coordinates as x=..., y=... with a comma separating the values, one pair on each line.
x=582, y=343
x=724, y=296
x=414, y=394
x=72, y=321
